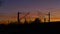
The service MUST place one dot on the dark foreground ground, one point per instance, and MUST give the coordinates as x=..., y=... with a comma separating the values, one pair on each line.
x=46, y=28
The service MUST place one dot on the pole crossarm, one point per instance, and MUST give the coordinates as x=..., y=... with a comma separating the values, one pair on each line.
x=23, y=17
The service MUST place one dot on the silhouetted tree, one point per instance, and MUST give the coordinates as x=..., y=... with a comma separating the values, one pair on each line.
x=37, y=21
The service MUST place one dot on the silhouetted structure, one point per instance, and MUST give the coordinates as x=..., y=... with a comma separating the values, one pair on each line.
x=49, y=17
x=18, y=18
x=25, y=21
x=44, y=20
x=25, y=18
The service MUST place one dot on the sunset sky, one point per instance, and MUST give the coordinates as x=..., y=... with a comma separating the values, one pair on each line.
x=9, y=9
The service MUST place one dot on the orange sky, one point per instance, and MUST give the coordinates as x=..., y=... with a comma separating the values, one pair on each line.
x=14, y=19
x=13, y=16
x=9, y=9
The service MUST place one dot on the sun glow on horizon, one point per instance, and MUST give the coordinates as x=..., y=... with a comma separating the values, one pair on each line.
x=29, y=17
x=51, y=20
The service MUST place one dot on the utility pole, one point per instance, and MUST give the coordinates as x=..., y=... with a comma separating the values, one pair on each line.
x=49, y=17
x=18, y=18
